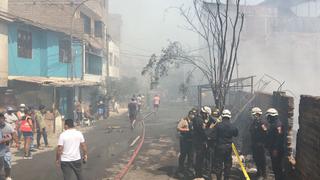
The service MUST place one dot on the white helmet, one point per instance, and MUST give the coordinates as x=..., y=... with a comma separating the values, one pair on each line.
x=226, y=114
x=272, y=112
x=22, y=105
x=206, y=109
x=256, y=110
x=10, y=108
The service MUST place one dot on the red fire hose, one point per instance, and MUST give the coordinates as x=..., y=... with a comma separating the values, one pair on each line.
x=135, y=153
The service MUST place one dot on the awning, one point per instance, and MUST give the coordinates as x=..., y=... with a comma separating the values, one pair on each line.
x=55, y=82
x=6, y=17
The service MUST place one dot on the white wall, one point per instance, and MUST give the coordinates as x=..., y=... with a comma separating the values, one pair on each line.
x=3, y=46
x=4, y=5
x=114, y=60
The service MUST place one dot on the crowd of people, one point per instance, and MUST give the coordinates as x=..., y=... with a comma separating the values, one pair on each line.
x=15, y=124
x=136, y=104
x=206, y=138
x=134, y=107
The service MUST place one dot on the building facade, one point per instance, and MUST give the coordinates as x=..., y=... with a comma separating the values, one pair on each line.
x=66, y=58
x=84, y=20
x=3, y=43
x=39, y=52
x=114, y=60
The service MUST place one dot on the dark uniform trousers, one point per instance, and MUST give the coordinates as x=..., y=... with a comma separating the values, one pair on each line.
x=200, y=150
x=259, y=157
x=223, y=160
x=211, y=156
x=185, y=152
x=276, y=161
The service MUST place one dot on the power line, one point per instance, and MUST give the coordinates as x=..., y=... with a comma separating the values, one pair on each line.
x=134, y=47
x=137, y=55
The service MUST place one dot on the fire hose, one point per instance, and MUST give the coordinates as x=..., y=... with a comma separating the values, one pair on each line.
x=235, y=151
x=125, y=169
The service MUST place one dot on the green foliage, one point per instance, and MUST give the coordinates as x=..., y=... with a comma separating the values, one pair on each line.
x=171, y=57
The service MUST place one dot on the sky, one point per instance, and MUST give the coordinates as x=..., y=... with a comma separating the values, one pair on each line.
x=149, y=24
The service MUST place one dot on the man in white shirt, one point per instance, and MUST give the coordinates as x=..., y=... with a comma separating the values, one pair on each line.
x=11, y=118
x=68, y=151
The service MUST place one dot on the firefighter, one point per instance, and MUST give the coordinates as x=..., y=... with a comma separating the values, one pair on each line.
x=275, y=142
x=258, y=132
x=225, y=132
x=200, y=139
x=211, y=133
x=185, y=130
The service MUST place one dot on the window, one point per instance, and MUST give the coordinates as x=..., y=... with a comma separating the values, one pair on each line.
x=98, y=29
x=65, y=51
x=86, y=23
x=93, y=64
x=24, y=44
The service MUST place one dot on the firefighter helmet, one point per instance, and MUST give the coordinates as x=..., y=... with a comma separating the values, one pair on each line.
x=215, y=112
x=272, y=112
x=10, y=109
x=206, y=109
x=226, y=114
x=256, y=110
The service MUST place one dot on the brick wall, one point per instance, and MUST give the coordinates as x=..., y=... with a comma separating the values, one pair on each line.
x=308, y=138
x=58, y=16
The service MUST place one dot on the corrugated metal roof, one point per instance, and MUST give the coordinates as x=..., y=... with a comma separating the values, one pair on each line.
x=6, y=17
x=55, y=82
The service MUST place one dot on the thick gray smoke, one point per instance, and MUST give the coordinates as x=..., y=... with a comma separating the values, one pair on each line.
x=286, y=49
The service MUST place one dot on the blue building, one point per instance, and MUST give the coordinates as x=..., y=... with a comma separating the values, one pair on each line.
x=37, y=52
x=40, y=67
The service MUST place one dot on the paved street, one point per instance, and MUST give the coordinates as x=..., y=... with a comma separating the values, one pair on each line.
x=109, y=151
x=105, y=145
x=158, y=157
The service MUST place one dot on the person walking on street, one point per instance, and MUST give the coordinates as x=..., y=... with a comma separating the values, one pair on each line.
x=185, y=129
x=6, y=135
x=20, y=115
x=156, y=102
x=68, y=155
x=78, y=110
x=200, y=139
x=41, y=126
x=275, y=142
x=133, y=111
x=139, y=102
x=101, y=108
x=11, y=118
x=225, y=132
x=258, y=132
x=26, y=129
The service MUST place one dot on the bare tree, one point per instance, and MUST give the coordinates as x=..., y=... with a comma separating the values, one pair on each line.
x=219, y=25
